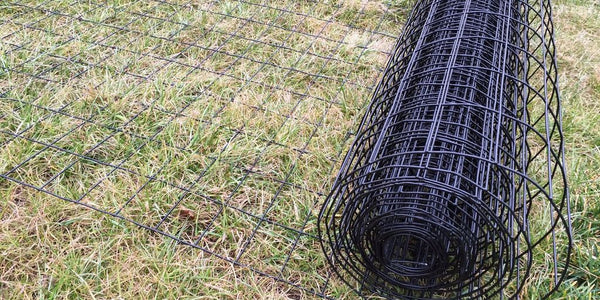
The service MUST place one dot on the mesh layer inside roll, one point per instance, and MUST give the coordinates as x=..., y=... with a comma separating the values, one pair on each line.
x=461, y=142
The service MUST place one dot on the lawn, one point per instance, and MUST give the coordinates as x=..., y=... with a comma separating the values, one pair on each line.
x=218, y=124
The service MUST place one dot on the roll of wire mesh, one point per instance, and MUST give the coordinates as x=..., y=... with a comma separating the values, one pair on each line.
x=456, y=176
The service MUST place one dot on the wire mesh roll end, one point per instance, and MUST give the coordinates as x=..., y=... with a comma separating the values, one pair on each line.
x=455, y=185
x=409, y=239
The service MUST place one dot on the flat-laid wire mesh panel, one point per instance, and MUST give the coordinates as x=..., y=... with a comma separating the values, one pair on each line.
x=455, y=186
x=216, y=123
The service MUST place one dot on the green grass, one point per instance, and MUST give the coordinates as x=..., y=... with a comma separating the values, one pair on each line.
x=578, y=43
x=202, y=123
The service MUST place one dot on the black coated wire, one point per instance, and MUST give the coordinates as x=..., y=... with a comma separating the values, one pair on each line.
x=314, y=38
x=458, y=154
x=459, y=148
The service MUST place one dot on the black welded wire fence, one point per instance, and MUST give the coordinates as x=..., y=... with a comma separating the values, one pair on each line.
x=456, y=175
x=135, y=109
x=192, y=102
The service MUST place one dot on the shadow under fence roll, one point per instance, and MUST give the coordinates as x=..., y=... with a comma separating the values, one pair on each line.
x=455, y=185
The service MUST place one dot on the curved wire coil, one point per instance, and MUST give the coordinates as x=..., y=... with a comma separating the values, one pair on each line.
x=456, y=175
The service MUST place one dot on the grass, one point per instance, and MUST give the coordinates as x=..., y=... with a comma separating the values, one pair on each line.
x=153, y=109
